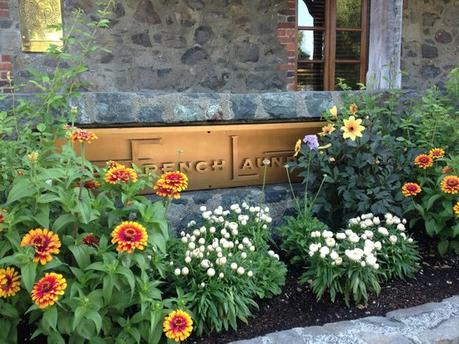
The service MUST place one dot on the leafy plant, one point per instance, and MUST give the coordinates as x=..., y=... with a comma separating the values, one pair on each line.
x=354, y=262
x=65, y=220
x=434, y=194
x=361, y=173
x=224, y=264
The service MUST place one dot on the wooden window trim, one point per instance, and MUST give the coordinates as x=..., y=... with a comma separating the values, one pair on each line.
x=330, y=30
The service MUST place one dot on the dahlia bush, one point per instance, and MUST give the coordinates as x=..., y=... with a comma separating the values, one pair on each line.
x=434, y=195
x=353, y=262
x=360, y=163
x=223, y=263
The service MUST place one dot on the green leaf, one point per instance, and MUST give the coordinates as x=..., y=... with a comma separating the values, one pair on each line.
x=42, y=216
x=81, y=254
x=50, y=317
x=443, y=247
x=95, y=318
x=8, y=310
x=108, y=284
x=22, y=189
x=96, y=266
x=129, y=276
x=28, y=274
x=55, y=338
x=432, y=200
x=41, y=127
x=63, y=221
x=79, y=313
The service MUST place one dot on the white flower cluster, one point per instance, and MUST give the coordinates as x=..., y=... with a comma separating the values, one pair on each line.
x=220, y=247
x=369, y=220
x=345, y=245
x=360, y=243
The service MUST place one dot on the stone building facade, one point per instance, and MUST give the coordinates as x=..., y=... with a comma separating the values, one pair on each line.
x=231, y=45
x=430, y=46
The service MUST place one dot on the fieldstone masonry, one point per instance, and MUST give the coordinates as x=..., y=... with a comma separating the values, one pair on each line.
x=432, y=323
x=153, y=108
x=241, y=45
x=184, y=45
x=430, y=41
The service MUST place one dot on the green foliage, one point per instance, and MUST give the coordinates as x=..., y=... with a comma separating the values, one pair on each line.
x=431, y=122
x=105, y=289
x=434, y=207
x=224, y=265
x=295, y=236
x=35, y=124
x=452, y=84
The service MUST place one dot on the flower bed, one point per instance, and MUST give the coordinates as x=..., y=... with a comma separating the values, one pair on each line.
x=85, y=258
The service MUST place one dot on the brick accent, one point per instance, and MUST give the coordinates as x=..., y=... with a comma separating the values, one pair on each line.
x=6, y=70
x=4, y=9
x=287, y=36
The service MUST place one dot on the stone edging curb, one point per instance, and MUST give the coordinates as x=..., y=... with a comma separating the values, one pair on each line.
x=429, y=323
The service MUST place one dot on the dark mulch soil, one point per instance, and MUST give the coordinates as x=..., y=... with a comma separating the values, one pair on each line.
x=437, y=278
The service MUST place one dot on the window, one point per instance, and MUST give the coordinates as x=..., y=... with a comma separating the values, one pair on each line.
x=332, y=43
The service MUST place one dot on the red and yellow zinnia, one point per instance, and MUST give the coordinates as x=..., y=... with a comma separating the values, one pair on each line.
x=129, y=235
x=10, y=282
x=423, y=161
x=178, y=325
x=456, y=208
x=411, y=189
x=170, y=184
x=120, y=174
x=45, y=242
x=47, y=290
x=437, y=153
x=450, y=184
x=82, y=135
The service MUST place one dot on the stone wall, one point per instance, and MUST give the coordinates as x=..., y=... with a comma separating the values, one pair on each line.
x=182, y=45
x=430, y=45
x=153, y=108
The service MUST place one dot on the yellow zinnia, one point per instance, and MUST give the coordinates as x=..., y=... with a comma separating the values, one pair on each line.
x=352, y=128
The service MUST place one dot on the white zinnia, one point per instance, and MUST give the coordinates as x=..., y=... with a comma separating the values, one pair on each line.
x=185, y=271
x=393, y=239
x=240, y=270
x=211, y=272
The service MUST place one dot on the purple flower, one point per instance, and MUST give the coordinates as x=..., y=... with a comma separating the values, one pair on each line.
x=311, y=141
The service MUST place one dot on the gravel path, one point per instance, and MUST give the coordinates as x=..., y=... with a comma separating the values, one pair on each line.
x=429, y=323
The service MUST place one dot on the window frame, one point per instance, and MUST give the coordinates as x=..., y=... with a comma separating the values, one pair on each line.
x=329, y=57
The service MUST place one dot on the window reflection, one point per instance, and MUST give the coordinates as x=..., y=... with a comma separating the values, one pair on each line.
x=311, y=13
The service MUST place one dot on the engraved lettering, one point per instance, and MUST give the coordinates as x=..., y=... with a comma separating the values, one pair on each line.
x=150, y=168
x=168, y=167
x=277, y=161
x=202, y=166
x=247, y=165
x=218, y=165
x=185, y=166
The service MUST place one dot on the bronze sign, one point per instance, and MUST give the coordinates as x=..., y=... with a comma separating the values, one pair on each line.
x=216, y=156
x=40, y=23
